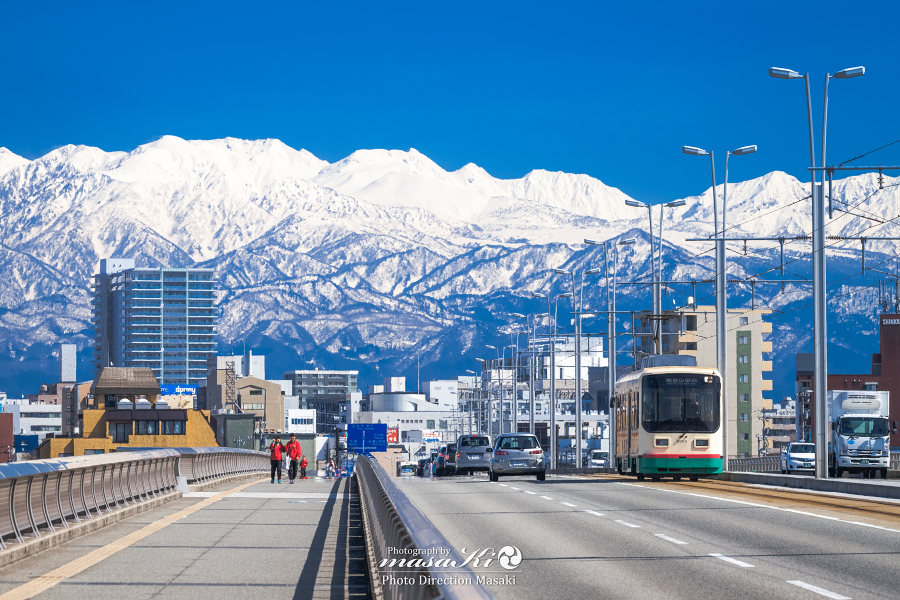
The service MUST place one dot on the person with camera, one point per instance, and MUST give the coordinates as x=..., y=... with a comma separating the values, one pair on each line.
x=276, y=455
x=294, y=453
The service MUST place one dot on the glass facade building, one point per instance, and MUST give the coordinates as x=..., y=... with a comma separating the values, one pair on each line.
x=164, y=319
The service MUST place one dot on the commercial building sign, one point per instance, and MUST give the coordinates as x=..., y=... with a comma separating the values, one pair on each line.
x=393, y=435
x=178, y=390
x=432, y=436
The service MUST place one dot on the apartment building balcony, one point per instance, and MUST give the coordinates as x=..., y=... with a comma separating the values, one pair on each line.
x=765, y=366
x=766, y=385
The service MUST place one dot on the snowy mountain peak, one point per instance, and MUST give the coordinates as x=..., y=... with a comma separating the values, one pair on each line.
x=10, y=160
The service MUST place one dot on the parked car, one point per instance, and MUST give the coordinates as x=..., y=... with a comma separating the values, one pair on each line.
x=517, y=454
x=449, y=465
x=600, y=459
x=441, y=463
x=798, y=456
x=421, y=468
x=473, y=453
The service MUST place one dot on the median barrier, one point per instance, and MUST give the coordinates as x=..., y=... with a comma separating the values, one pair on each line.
x=396, y=532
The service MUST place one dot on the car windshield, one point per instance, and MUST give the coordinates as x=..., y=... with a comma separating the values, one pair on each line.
x=803, y=449
x=451, y=449
x=518, y=442
x=680, y=402
x=864, y=427
x=475, y=442
x=598, y=455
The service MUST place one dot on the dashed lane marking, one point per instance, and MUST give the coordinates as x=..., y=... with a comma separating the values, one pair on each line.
x=532, y=493
x=733, y=561
x=820, y=591
x=504, y=485
x=546, y=497
x=513, y=488
x=567, y=504
x=595, y=513
x=668, y=539
x=617, y=521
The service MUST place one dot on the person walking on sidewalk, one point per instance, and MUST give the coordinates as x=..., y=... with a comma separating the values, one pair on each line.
x=276, y=454
x=303, y=465
x=294, y=453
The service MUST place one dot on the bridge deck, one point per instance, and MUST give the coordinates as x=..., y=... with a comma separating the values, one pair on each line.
x=279, y=541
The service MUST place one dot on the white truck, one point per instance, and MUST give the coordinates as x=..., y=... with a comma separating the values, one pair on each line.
x=859, y=436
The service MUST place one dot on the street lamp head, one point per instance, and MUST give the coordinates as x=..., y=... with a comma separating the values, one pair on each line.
x=490, y=347
x=538, y=295
x=593, y=271
x=694, y=151
x=848, y=73
x=468, y=371
x=628, y=242
x=783, y=73
x=593, y=243
x=675, y=203
x=518, y=315
x=481, y=360
x=635, y=203
x=744, y=150
x=565, y=295
x=562, y=272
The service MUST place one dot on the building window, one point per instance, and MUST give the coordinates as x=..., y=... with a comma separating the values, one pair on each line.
x=70, y=421
x=68, y=408
x=745, y=417
x=112, y=401
x=743, y=378
x=743, y=359
x=742, y=339
x=744, y=397
x=146, y=427
x=256, y=392
x=90, y=451
x=120, y=432
x=745, y=321
x=171, y=427
x=745, y=437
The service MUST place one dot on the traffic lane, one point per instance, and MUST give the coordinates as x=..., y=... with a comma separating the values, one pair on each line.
x=569, y=553
x=787, y=545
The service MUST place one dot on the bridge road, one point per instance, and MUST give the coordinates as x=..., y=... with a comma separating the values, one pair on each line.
x=615, y=538
x=269, y=541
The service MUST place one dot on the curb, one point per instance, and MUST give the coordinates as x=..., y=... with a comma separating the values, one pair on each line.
x=32, y=546
x=199, y=487
x=841, y=486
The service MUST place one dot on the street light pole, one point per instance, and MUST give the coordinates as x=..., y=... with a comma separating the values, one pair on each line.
x=819, y=271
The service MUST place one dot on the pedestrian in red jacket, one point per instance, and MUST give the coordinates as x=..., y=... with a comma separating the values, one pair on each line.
x=303, y=465
x=276, y=453
x=295, y=453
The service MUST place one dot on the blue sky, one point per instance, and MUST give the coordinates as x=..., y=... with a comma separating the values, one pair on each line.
x=612, y=90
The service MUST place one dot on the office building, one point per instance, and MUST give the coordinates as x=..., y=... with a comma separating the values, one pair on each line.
x=442, y=393
x=161, y=319
x=327, y=392
x=68, y=362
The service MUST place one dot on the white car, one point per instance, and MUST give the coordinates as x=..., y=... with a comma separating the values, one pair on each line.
x=799, y=456
x=599, y=459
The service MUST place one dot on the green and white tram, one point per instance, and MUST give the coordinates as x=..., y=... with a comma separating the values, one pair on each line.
x=668, y=420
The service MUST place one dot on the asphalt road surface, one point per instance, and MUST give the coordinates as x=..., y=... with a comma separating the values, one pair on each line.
x=615, y=538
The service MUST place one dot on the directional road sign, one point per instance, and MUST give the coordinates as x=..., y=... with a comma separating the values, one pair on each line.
x=364, y=438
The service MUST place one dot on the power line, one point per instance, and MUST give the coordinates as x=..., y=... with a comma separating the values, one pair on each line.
x=867, y=153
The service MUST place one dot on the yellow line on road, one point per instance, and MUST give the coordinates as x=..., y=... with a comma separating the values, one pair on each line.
x=45, y=582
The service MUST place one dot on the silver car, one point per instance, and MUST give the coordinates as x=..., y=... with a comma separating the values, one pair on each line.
x=473, y=453
x=517, y=454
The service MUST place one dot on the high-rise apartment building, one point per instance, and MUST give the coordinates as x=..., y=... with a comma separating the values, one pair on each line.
x=325, y=391
x=164, y=319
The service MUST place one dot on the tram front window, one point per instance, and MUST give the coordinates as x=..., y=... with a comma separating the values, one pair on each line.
x=680, y=403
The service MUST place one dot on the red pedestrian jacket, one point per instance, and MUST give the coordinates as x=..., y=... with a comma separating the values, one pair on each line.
x=294, y=451
x=303, y=464
x=276, y=450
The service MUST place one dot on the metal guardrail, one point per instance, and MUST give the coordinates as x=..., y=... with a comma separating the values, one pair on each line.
x=756, y=464
x=39, y=496
x=392, y=521
x=45, y=494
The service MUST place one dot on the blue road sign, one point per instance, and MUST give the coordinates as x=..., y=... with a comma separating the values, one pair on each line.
x=364, y=438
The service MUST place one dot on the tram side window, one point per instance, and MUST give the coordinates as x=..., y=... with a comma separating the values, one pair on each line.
x=680, y=403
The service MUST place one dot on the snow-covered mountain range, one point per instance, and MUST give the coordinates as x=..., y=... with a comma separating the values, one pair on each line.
x=382, y=259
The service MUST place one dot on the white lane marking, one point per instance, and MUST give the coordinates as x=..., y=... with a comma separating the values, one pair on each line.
x=668, y=539
x=754, y=504
x=532, y=493
x=267, y=495
x=820, y=591
x=595, y=513
x=504, y=485
x=627, y=524
x=513, y=488
x=733, y=561
x=567, y=504
x=546, y=497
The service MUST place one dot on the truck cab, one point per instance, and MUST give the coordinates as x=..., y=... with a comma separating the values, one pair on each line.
x=859, y=439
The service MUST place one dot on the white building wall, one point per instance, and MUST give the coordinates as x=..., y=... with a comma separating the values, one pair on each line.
x=298, y=420
x=442, y=393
